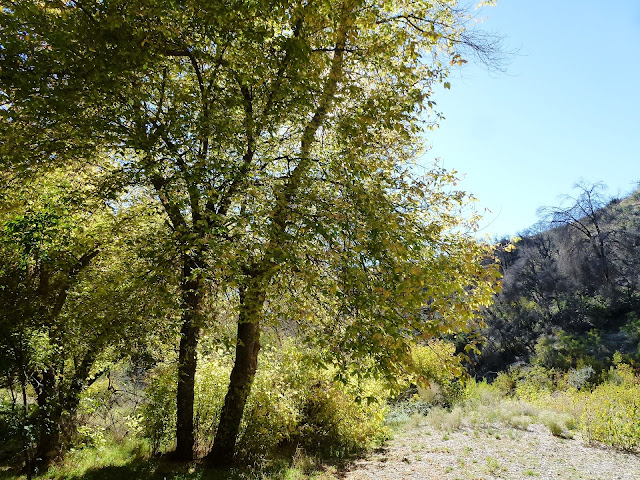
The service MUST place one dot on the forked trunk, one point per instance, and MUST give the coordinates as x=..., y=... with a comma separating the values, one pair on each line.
x=242, y=375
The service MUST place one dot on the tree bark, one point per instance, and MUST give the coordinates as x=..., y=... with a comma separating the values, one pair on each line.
x=48, y=421
x=26, y=437
x=242, y=374
x=191, y=299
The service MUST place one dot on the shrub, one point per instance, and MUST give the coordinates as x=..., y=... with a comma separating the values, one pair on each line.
x=108, y=409
x=632, y=326
x=526, y=382
x=158, y=413
x=612, y=412
x=272, y=412
x=533, y=382
x=505, y=383
x=482, y=393
x=11, y=427
x=438, y=371
x=212, y=379
x=558, y=424
x=446, y=420
x=563, y=351
x=334, y=424
x=292, y=402
x=520, y=422
x=412, y=409
x=581, y=377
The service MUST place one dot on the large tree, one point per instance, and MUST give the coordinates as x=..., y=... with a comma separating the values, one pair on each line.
x=276, y=136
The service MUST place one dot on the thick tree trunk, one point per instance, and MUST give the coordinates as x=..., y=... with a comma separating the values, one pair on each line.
x=191, y=299
x=242, y=374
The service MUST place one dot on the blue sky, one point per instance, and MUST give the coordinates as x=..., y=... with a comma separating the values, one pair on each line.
x=566, y=109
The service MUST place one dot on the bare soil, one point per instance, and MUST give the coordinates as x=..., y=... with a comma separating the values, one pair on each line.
x=488, y=453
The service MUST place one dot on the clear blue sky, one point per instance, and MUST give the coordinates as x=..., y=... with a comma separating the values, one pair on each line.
x=566, y=109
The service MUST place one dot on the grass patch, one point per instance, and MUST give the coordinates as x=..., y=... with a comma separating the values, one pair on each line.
x=493, y=466
x=446, y=420
x=131, y=460
x=558, y=424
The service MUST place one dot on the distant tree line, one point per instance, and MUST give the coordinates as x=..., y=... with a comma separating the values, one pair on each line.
x=571, y=287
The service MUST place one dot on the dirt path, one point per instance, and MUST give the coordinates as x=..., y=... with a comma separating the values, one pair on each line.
x=493, y=453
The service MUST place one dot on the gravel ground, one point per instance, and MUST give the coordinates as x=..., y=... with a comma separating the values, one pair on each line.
x=492, y=453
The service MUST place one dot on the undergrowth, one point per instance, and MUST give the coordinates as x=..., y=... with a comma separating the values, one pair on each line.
x=299, y=420
x=606, y=411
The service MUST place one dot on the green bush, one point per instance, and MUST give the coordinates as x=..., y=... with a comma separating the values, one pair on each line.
x=505, y=383
x=581, y=377
x=11, y=427
x=292, y=402
x=611, y=413
x=563, y=351
x=439, y=373
x=334, y=424
x=533, y=382
x=158, y=413
x=295, y=402
x=272, y=413
x=10, y=418
x=632, y=326
x=108, y=409
x=444, y=419
x=559, y=424
x=212, y=379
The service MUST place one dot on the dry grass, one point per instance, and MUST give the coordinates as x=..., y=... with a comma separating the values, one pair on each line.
x=493, y=437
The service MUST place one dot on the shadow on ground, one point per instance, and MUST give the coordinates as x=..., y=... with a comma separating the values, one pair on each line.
x=164, y=469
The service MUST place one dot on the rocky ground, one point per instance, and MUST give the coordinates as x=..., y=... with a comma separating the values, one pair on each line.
x=485, y=453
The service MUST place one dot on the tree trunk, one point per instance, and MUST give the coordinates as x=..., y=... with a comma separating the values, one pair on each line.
x=191, y=299
x=48, y=421
x=26, y=437
x=242, y=374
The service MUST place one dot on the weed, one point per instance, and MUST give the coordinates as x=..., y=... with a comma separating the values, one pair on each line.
x=557, y=424
x=443, y=419
x=612, y=412
x=493, y=466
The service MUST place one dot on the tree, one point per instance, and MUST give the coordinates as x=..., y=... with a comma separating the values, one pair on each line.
x=70, y=301
x=276, y=140
x=585, y=215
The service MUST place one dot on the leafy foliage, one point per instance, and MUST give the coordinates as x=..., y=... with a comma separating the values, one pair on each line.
x=58, y=255
x=612, y=412
x=293, y=402
x=278, y=145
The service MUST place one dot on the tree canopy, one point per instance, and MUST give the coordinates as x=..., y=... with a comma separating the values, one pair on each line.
x=279, y=139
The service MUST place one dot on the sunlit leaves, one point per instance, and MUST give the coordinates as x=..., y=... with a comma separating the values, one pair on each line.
x=280, y=140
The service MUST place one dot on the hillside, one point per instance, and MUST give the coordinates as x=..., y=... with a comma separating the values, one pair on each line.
x=571, y=289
